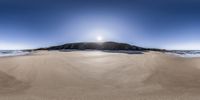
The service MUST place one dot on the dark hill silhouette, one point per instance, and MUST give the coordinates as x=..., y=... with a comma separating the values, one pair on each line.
x=97, y=46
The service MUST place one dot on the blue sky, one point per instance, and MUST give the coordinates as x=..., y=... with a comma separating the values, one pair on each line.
x=171, y=24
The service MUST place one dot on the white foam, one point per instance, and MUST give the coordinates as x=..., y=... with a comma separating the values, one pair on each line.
x=12, y=53
x=187, y=54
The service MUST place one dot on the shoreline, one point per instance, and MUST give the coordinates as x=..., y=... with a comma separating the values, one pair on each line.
x=190, y=56
x=18, y=55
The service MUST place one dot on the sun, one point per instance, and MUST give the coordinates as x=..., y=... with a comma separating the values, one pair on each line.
x=99, y=38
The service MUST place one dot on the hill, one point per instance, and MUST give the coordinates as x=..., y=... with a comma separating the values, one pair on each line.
x=97, y=46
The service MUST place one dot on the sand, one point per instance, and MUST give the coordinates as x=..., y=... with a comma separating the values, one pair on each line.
x=96, y=75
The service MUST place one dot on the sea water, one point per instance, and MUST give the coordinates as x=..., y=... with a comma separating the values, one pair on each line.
x=186, y=53
x=7, y=53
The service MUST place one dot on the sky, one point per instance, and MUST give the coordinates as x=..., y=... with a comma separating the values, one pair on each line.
x=166, y=24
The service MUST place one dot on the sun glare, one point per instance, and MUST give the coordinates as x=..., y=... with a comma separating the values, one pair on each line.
x=99, y=38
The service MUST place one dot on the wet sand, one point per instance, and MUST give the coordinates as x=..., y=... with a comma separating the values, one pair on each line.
x=96, y=75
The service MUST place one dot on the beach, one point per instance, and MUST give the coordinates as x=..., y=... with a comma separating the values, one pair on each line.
x=98, y=75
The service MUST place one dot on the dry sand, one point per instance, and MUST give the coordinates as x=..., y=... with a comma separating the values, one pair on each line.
x=96, y=75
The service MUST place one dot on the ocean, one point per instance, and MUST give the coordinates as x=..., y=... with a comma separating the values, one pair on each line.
x=186, y=53
x=7, y=53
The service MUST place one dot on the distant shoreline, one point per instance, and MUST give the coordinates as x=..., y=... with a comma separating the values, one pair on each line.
x=13, y=53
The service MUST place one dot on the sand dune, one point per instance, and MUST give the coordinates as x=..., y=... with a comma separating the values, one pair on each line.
x=95, y=75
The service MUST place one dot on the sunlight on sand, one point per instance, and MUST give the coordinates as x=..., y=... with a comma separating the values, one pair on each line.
x=96, y=53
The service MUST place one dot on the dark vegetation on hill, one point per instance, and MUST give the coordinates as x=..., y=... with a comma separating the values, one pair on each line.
x=98, y=46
